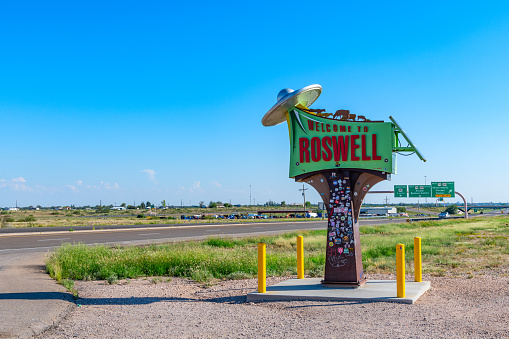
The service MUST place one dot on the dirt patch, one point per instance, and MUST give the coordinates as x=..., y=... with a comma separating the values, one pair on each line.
x=454, y=307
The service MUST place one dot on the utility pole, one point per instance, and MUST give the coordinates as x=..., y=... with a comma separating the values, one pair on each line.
x=426, y=199
x=304, y=196
x=386, y=201
x=249, y=195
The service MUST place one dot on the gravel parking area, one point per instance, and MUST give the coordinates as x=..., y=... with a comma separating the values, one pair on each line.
x=453, y=308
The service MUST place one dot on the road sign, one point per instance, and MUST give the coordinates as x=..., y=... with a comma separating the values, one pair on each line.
x=400, y=191
x=419, y=191
x=321, y=205
x=442, y=189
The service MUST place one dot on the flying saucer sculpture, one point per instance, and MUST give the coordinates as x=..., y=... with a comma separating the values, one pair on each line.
x=287, y=99
x=342, y=159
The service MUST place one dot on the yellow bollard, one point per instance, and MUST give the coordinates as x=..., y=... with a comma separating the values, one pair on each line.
x=417, y=259
x=300, y=257
x=262, y=283
x=400, y=270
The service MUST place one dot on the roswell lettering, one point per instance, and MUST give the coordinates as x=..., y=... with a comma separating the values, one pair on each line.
x=340, y=148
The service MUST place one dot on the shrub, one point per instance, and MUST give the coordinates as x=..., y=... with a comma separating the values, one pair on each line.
x=27, y=219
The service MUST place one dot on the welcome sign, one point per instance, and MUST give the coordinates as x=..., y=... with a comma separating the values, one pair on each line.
x=318, y=143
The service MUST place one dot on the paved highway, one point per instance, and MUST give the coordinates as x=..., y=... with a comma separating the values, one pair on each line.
x=35, y=241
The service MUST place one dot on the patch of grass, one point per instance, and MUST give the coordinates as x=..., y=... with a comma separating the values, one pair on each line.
x=448, y=247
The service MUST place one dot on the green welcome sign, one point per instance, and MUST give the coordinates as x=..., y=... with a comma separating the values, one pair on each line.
x=342, y=155
x=318, y=143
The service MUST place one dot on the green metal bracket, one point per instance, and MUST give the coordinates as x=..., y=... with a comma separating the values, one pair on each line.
x=413, y=148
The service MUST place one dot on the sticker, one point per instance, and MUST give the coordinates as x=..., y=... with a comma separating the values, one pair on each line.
x=321, y=180
x=342, y=218
x=345, y=238
x=334, y=182
x=340, y=250
x=346, y=250
x=364, y=189
x=331, y=244
x=331, y=234
x=355, y=194
x=337, y=241
x=333, y=175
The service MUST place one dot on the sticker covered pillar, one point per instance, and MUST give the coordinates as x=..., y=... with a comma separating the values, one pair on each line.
x=342, y=192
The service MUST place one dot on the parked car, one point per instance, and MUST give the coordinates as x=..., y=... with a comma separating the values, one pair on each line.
x=443, y=215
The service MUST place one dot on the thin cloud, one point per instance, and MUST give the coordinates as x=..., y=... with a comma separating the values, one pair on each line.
x=151, y=174
x=195, y=188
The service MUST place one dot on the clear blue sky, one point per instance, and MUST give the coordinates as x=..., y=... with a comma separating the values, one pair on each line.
x=135, y=101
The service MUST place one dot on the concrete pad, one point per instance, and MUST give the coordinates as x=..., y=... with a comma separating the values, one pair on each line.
x=312, y=289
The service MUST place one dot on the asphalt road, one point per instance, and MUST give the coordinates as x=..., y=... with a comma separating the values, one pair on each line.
x=38, y=241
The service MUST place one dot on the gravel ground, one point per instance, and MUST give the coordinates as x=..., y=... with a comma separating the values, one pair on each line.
x=453, y=308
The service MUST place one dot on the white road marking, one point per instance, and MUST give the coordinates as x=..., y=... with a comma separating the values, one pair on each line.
x=149, y=233
x=54, y=239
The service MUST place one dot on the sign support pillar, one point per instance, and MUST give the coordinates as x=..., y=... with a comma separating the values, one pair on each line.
x=342, y=192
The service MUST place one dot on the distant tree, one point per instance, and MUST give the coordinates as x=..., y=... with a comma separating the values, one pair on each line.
x=283, y=203
x=123, y=204
x=401, y=209
x=212, y=204
x=452, y=209
x=142, y=205
x=227, y=204
x=148, y=204
x=202, y=203
x=163, y=203
x=131, y=207
x=308, y=204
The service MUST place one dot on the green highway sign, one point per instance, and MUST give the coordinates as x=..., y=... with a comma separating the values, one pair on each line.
x=419, y=191
x=442, y=189
x=400, y=191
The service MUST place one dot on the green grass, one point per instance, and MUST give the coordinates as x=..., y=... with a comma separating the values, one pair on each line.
x=448, y=247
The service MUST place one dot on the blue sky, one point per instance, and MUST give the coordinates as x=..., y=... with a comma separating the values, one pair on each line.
x=129, y=101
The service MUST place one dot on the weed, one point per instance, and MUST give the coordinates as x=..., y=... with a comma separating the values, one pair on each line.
x=239, y=276
x=112, y=279
x=69, y=285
